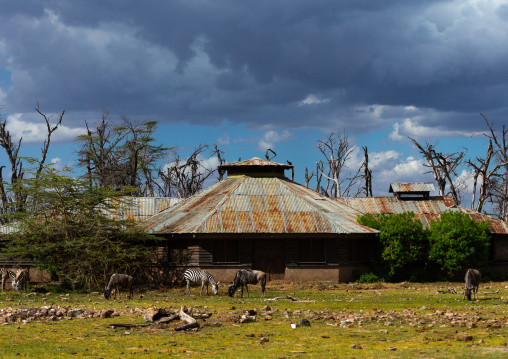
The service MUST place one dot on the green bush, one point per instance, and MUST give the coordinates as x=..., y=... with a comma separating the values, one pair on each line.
x=403, y=240
x=369, y=278
x=458, y=242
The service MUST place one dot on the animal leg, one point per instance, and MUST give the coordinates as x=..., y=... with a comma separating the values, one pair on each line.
x=188, y=288
x=247, y=287
x=202, y=286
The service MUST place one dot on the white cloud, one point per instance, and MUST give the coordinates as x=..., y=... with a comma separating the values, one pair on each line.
x=313, y=100
x=410, y=127
x=271, y=138
x=35, y=132
x=224, y=140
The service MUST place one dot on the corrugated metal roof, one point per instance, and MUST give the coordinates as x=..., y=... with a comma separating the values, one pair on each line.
x=256, y=205
x=256, y=161
x=136, y=209
x=411, y=187
x=9, y=228
x=425, y=210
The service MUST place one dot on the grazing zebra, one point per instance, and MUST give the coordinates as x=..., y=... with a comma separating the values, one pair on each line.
x=202, y=277
x=18, y=276
x=472, y=281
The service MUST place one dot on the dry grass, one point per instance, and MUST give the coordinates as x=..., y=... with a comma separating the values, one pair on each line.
x=362, y=321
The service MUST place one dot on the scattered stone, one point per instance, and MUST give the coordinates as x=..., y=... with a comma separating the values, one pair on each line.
x=247, y=318
x=106, y=313
x=465, y=337
x=264, y=340
x=304, y=322
x=155, y=314
x=392, y=349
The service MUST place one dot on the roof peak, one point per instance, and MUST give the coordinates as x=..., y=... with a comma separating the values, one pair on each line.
x=256, y=161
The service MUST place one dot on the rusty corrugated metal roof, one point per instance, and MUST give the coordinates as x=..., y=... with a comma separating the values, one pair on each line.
x=426, y=210
x=256, y=161
x=256, y=205
x=139, y=209
x=410, y=187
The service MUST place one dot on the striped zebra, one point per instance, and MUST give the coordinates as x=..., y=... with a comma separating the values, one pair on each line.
x=202, y=277
x=18, y=276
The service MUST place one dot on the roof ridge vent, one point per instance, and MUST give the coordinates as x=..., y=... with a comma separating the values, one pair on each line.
x=412, y=191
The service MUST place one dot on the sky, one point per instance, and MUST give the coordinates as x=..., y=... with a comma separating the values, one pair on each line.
x=251, y=75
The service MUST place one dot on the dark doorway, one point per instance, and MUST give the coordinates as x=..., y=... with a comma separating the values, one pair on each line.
x=268, y=256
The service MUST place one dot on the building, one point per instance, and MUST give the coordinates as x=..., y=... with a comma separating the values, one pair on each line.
x=256, y=218
x=415, y=197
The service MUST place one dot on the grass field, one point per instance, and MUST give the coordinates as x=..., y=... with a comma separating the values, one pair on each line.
x=404, y=320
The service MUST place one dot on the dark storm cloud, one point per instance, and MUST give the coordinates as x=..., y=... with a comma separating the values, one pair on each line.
x=256, y=61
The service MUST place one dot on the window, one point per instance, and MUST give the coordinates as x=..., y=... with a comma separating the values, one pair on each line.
x=311, y=250
x=175, y=252
x=225, y=251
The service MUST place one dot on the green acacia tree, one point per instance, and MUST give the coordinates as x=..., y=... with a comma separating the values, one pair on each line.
x=65, y=231
x=402, y=237
x=458, y=242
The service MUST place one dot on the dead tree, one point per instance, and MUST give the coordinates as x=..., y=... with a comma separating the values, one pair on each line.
x=443, y=166
x=499, y=197
x=221, y=159
x=183, y=179
x=487, y=178
x=367, y=174
x=337, y=150
x=308, y=177
x=17, y=197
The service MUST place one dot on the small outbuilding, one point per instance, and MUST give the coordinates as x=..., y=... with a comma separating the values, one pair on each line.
x=256, y=218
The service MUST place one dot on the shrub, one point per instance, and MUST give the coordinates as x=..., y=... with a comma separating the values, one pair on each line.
x=402, y=237
x=369, y=278
x=458, y=242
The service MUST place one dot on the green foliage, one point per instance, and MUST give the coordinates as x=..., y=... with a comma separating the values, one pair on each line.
x=458, y=242
x=402, y=237
x=65, y=231
x=369, y=278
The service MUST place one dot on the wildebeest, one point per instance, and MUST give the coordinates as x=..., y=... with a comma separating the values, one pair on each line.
x=244, y=277
x=472, y=281
x=196, y=276
x=118, y=281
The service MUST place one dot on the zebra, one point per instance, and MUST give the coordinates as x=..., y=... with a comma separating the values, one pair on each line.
x=196, y=276
x=19, y=278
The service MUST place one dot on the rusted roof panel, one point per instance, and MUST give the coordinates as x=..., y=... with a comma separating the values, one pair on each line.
x=257, y=205
x=256, y=161
x=428, y=210
x=412, y=187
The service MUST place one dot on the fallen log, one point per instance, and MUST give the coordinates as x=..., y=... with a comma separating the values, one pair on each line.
x=497, y=291
x=161, y=321
x=124, y=325
x=291, y=299
x=191, y=322
x=453, y=291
